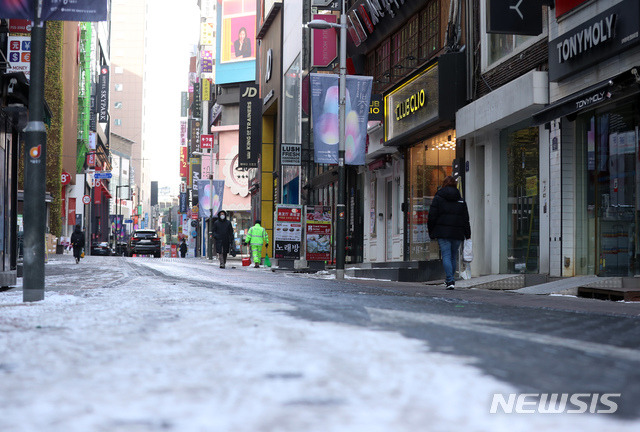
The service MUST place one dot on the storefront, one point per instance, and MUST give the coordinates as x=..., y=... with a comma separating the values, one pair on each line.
x=593, y=125
x=419, y=120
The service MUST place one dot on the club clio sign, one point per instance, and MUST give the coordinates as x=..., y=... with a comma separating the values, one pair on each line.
x=600, y=38
x=413, y=104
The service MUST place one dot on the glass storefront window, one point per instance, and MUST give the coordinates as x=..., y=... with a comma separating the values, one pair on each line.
x=429, y=163
x=522, y=204
x=608, y=210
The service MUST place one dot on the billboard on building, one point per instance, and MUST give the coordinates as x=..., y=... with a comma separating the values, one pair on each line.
x=236, y=41
x=103, y=94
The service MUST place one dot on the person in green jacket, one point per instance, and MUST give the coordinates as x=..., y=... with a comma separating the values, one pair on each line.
x=257, y=237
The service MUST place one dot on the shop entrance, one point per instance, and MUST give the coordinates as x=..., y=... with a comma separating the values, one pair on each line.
x=608, y=206
x=522, y=208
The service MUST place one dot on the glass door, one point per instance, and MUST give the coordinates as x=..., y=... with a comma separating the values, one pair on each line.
x=523, y=221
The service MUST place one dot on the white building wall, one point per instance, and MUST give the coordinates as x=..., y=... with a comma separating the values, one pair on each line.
x=292, y=32
x=555, y=202
x=544, y=190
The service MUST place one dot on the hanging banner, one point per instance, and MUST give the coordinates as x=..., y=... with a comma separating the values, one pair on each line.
x=208, y=199
x=103, y=94
x=318, y=221
x=57, y=10
x=250, y=133
x=325, y=115
x=288, y=231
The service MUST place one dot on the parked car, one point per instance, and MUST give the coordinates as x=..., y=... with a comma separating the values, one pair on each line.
x=101, y=248
x=145, y=242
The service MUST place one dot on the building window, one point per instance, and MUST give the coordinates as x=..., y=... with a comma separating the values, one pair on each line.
x=118, y=87
x=407, y=49
x=119, y=69
x=117, y=105
x=498, y=48
x=117, y=122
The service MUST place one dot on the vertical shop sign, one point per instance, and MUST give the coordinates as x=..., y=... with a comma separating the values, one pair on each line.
x=250, y=133
x=184, y=105
x=184, y=167
x=288, y=231
x=197, y=101
x=103, y=94
x=318, y=221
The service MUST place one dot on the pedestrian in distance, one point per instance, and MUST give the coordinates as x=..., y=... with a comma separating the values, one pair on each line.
x=448, y=222
x=77, y=241
x=183, y=248
x=223, y=236
x=257, y=237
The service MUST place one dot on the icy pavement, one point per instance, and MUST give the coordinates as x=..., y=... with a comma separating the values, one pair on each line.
x=154, y=355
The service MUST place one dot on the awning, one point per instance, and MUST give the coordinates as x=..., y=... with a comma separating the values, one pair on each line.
x=577, y=102
x=105, y=190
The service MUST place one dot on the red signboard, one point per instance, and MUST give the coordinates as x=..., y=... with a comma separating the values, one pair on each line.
x=91, y=160
x=71, y=214
x=325, y=43
x=20, y=26
x=184, y=161
x=318, y=233
x=174, y=251
x=289, y=215
x=564, y=6
x=206, y=141
x=65, y=178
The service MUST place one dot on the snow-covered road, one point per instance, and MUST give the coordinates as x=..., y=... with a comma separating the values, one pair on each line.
x=152, y=354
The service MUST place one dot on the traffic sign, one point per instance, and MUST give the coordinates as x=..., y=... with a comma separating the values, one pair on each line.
x=102, y=175
x=86, y=199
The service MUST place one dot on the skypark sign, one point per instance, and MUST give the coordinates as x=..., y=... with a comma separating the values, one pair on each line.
x=56, y=10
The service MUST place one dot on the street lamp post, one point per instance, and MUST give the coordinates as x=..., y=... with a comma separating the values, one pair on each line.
x=340, y=205
x=210, y=230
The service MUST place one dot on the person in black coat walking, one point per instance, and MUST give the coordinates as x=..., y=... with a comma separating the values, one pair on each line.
x=449, y=223
x=223, y=235
x=77, y=241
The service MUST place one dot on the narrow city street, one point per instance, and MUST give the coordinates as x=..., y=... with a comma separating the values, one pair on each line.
x=143, y=344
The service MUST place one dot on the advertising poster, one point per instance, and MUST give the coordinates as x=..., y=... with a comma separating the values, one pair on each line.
x=210, y=199
x=238, y=31
x=318, y=220
x=288, y=231
x=325, y=116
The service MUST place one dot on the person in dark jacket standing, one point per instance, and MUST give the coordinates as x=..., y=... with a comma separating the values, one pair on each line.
x=449, y=223
x=223, y=235
x=77, y=241
x=183, y=248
